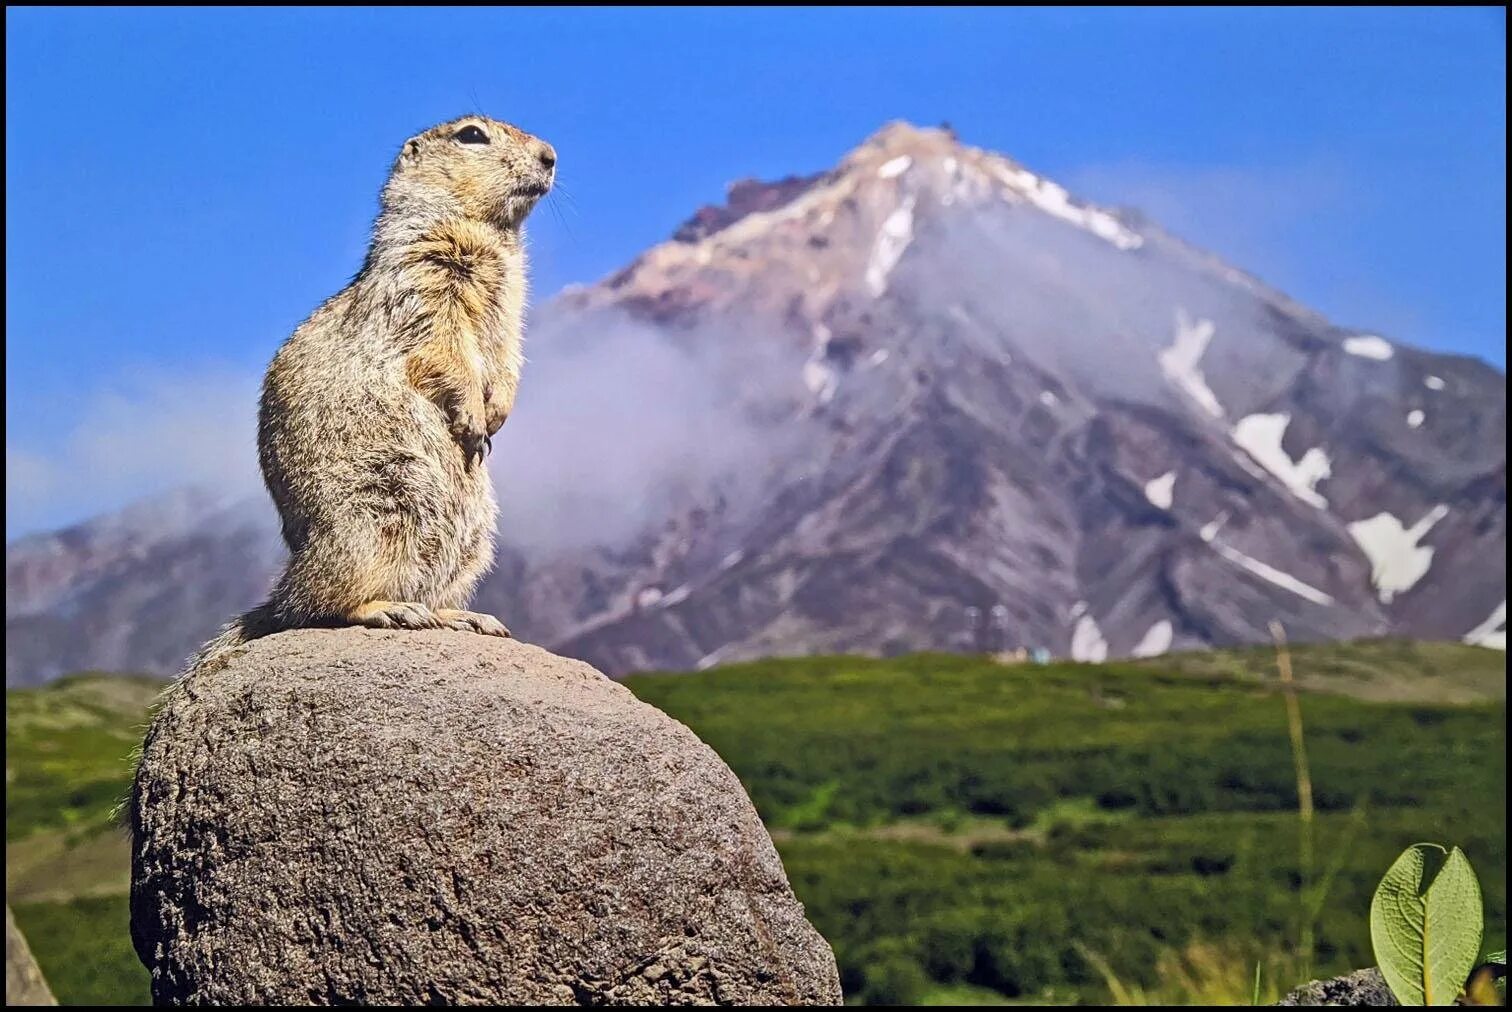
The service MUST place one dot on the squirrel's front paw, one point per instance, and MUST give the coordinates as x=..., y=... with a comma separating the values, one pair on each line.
x=467, y=429
x=495, y=409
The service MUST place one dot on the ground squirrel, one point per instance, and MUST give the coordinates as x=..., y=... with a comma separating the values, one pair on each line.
x=376, y=413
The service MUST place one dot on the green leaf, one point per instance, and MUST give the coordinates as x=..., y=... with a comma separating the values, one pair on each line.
x=1425, y=924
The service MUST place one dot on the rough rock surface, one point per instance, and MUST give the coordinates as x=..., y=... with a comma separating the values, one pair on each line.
x=24, y=983
x=1363, y=987
x=342, y=816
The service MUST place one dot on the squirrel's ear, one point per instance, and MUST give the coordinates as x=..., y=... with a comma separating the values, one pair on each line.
x=410, y=151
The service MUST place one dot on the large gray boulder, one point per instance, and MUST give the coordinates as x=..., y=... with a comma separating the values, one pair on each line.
x=341, y=816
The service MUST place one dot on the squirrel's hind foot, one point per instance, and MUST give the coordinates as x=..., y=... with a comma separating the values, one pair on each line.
x=395, y=615
x=471, y=621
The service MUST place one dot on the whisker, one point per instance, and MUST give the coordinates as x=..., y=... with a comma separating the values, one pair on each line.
x=571, y=201
x=556, y=212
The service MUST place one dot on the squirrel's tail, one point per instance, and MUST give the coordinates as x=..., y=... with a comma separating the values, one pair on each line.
x=233, y=636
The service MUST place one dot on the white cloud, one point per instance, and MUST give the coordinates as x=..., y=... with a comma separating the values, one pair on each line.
x=1284, y=223
x=151, y=432
x=607, y=433
x=1252, y=216
x=611, y=431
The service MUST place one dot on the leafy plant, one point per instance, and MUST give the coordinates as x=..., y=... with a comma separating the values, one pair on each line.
x=1426, y=923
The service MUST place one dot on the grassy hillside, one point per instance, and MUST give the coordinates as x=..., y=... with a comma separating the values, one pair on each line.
x=962, y=832
x=67, y=865
x=1385, y=671
x=1076, y=832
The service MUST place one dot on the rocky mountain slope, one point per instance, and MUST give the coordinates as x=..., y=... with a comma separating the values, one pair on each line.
x=949, y=406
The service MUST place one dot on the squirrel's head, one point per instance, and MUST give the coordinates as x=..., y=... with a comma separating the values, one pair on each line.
x=490, y=171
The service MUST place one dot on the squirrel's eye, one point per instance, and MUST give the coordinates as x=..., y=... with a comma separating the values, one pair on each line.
x=470, y=135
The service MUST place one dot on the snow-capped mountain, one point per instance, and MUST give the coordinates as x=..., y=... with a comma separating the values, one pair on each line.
x=943, y=404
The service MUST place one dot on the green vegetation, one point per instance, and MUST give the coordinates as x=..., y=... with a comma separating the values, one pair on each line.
x=67, y=751
x=1067, y=832
x=1379, y=671
x=84, y=949
x=67, y=865
x=962, y=832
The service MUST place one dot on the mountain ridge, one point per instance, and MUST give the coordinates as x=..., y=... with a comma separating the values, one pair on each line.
x=948, y=405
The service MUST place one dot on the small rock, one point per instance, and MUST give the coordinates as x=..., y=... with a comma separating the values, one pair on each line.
x=1363, y=987
x=24, y=983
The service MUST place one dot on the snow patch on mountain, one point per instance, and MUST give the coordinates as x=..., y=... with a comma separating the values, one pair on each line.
x=1055, y=201
x=1415, y=418
x=821, y=378
x=1433, y=382
x=1160, y=490
x=1492, y=632
x=1247, y=465
x=1397, y=562
x=1180, y=361
x=1156, y=640
x=893, y=238
x=712, y=658
x=1369, y=346
x=1087, y=642
x=1261, y=435
x=895, y=167
x=964, y=182
x=1285, y=581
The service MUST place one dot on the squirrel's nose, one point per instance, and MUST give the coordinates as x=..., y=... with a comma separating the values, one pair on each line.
x=547, y=155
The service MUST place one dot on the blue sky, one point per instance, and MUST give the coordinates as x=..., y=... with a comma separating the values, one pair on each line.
x=183, y=187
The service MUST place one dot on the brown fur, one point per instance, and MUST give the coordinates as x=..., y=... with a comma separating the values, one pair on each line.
x=375, y=414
